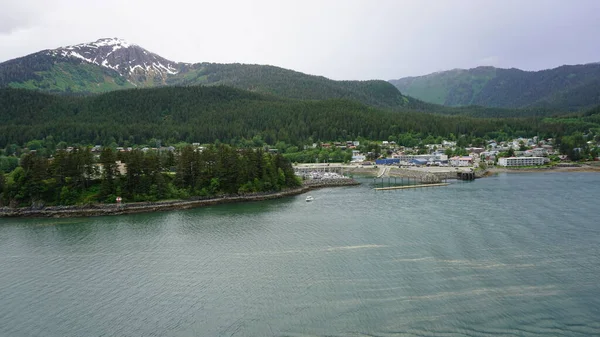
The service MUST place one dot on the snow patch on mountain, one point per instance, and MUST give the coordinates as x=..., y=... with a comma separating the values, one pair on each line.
x=115, y=42
x=132, y=69
x=126, y=58
x=75, y=54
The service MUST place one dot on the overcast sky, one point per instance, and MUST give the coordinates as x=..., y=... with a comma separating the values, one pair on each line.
x=341, y=39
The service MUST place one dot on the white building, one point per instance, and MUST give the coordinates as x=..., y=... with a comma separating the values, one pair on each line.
x=461, y=161
x=521, y=161
x=539, y=152
x=535, y=152
x=357, y=157
x=446, y=143
x=426, y=157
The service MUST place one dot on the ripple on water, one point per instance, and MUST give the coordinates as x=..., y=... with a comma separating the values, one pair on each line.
x=504, y=256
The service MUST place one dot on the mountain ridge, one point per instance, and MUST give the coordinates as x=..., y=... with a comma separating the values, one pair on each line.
x=105, y=52
x=109, y=64
x=112, y=63
x=508, y=87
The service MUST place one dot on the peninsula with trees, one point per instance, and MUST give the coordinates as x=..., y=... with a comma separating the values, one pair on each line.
x=85, y=124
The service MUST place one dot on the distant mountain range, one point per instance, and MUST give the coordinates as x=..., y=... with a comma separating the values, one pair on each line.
x=569, y=87
x=111, y=63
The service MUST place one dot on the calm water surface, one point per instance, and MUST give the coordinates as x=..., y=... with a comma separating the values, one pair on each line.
x=512, y=255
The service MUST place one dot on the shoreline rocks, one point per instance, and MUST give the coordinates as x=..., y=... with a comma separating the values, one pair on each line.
x=141, y=207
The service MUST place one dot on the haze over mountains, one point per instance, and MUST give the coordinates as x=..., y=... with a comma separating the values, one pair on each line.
x=569, y=87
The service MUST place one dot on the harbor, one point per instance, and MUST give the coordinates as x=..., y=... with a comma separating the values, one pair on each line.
x=388, y=177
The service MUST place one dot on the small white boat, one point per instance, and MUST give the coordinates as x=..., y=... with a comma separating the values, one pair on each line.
x=310, y=198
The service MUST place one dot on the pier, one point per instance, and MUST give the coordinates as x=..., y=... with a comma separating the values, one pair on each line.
x=398, y=183
x=390, y=177
x=465, y=175
x=307, y=169
x=409, y=186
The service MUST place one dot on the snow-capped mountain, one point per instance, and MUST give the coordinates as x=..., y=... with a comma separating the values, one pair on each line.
x=112, y=64
x=129, y=60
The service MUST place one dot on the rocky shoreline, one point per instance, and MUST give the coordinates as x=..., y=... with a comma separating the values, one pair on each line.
x=141, y=207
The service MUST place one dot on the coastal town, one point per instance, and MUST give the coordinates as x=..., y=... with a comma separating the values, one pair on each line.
x=516, y=152
x=430, y=163
x=299, y=168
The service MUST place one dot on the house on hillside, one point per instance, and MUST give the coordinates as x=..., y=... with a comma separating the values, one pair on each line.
x=549, y=148
x=477, y=150
x=357, y=157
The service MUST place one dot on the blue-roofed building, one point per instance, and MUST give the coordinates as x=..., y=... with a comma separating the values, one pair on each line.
x=387, y=161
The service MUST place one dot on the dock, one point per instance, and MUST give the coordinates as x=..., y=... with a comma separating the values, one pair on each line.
x=409, y=186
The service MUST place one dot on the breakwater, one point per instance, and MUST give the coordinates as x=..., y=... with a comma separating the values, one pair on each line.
x=425, y=174
x=422, y=174
x=409, y=186
x=320, y=183
x=140, y=207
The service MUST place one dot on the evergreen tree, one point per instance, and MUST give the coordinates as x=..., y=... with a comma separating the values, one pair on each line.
x=32, y=184
x=2, y=188
x=109, y=173
x=133, y=177
x=185, y=170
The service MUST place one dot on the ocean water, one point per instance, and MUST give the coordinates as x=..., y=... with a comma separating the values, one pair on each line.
x=510, y=255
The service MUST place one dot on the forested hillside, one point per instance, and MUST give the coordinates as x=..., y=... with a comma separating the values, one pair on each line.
x=75, y=177
x=42, y=72
x=207, y=114
x=112, y=64
x=293, y=84
x=74, y=76
x=569, y=87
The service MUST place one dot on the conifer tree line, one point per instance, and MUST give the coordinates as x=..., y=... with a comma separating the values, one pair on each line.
x=43, y=122
x=80, y=177
x=207, y=114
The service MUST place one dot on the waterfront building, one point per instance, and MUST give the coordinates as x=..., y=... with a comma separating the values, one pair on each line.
x=435, y=157
x=521, y=161
x=461, y=161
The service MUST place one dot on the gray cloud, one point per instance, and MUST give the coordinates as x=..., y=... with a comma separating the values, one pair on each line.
x=340, y=39
x=9, y=24
x=17, y=15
